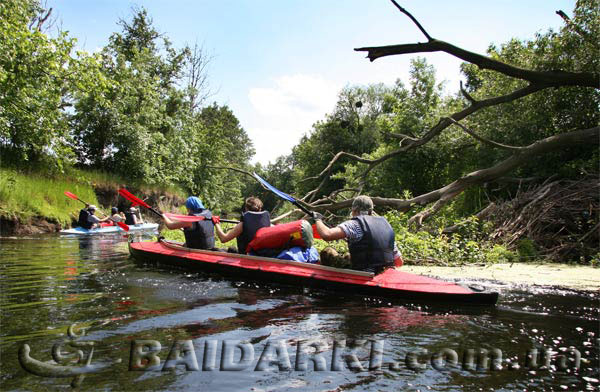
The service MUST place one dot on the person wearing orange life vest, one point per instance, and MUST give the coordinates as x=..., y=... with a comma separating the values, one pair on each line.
x=198, y=235
x=371, y=239
x=253, y=218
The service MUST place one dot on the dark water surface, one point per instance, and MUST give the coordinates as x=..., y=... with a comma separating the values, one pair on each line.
x=204, y=324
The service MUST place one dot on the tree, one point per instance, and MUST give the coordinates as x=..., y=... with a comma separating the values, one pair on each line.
x=545, y=67
x=36, y=74
x=130, y=126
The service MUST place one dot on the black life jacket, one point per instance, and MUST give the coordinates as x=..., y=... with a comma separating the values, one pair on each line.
x=375, y=250
x=83, y=221
x=252, y=222
x=129, y=218
x=202, y=233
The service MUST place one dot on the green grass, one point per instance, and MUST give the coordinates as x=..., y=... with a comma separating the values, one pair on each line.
x=25, y=196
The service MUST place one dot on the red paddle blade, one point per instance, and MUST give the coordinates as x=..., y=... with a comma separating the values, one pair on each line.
x=129, y=196
x=184, y=218
x=123, y=226
x=70, y=195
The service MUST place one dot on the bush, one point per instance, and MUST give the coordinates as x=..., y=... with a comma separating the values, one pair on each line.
x=466, y=246
x=526, y=250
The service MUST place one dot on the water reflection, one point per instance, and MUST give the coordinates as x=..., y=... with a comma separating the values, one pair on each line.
x=48, y=283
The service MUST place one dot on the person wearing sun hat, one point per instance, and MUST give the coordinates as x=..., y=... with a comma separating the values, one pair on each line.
x=131, y=217
x=371, y=239
x=198, y=235
x=92, y=220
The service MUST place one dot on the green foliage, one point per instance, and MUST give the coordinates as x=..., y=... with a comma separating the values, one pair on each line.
x=463, y=247
x=526, y=250
x=499, y=254
x=35, y=76
x=142, y=126
x=129, y=109
x=28, y=196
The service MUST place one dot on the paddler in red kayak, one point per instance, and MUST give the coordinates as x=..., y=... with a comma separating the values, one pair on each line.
x=198, y=235
x=370, y=239
x=253, y=218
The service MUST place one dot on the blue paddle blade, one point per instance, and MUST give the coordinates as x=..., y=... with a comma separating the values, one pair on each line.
x=273, y=189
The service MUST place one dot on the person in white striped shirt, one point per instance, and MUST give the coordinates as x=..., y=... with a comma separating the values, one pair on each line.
x=370, y=239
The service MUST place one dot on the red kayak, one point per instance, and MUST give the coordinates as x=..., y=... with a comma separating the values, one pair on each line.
x=392, y=283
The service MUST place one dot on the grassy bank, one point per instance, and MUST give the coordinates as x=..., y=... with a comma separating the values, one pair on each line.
x=25, y=196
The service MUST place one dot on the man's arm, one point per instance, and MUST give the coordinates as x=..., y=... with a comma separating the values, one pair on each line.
x=329, y=233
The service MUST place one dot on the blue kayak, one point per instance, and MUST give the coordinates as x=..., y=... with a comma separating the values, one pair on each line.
x=111, y=229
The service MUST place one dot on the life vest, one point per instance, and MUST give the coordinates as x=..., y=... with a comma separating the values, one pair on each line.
x=129, y=218
x=375, y=250
x=83, y=221
x=202, y=233
x=252, y=221
x=286, y=235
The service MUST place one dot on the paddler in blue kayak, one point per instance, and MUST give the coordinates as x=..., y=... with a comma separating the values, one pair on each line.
x=253, y=218
x=198, y=235
x=88, y=220
x=370, y=239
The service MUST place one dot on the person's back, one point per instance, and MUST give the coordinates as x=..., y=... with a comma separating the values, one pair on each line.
x=202, y=234
x=83, y=220
x=375, y=249
x=252, y=220
x=198, y=235
x=131, y=217
x=370, y=239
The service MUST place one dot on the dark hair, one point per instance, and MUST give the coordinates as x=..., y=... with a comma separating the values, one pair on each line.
x=253, y=204
x=114, y=210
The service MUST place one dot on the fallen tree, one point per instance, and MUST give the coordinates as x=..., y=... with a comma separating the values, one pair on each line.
x=536, y=81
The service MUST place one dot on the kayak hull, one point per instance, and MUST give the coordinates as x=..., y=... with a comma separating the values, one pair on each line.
x=391, y=284
x=111, y=229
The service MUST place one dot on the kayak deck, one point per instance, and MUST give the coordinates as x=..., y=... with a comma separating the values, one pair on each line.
x=110, y=229
x=391, y=283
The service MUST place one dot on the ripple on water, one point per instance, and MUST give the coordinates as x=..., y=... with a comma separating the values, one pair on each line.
x=48, y=283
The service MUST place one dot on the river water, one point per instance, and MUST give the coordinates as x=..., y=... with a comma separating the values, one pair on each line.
x=155, y=329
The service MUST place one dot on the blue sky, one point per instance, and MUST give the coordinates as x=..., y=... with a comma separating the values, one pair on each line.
x=279, y=64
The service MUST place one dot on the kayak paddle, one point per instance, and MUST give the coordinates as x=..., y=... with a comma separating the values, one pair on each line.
x=183, y=218
x=281, y=194
x=192, y=218
x=287, y=197
x=74, y=197
x=137, y=201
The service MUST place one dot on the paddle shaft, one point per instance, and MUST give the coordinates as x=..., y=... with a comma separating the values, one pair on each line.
x=78, y=199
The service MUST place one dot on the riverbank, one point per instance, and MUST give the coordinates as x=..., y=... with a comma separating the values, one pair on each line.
x=574, y=277
x=35, y=203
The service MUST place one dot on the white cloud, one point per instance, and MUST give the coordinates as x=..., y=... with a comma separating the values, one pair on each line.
x=286, y=111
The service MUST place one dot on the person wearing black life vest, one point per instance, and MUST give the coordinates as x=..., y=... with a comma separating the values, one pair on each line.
x=131, y=217
x=253, y=218
x=88, y=220
x=198, y=235
x=370, y=238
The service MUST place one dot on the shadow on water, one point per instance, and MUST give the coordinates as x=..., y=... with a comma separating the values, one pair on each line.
x=289, y=338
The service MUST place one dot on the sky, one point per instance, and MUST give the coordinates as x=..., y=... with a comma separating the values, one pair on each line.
x=280, y=64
